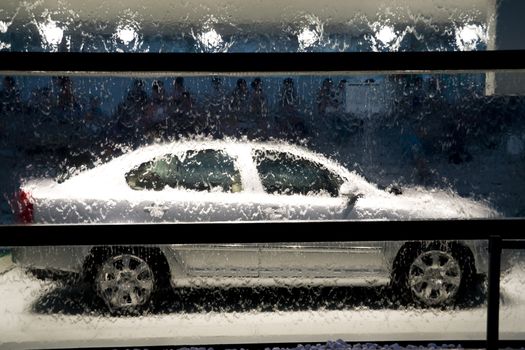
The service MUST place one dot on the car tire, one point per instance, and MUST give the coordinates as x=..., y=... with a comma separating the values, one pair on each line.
x=433, y=275
x=129, y=280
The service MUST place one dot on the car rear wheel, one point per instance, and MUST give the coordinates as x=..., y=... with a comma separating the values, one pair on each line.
x=130, y=280
x=125, y=282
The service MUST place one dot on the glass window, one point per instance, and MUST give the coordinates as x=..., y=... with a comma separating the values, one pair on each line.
x=356, y=290
x=512, y=280
x=447, y=146
x=245, y=26
x=284, y=173
x=206, y=170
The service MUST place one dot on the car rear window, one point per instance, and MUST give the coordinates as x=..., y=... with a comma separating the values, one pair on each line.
x=203, y=170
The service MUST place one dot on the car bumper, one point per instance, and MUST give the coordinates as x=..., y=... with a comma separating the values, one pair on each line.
x=66, y=259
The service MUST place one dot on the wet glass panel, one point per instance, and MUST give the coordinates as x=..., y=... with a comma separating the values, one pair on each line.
x=247, y=26
x=238, y=293
x=77, y=149
x=511, y=288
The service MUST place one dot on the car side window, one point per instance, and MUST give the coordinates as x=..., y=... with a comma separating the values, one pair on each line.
x=204, y=170
x=285, y=173
x=155, y=174
x=209, y=170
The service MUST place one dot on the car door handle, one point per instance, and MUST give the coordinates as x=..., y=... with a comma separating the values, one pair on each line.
x=279, y=210
x=275, y=212
x=156, y=210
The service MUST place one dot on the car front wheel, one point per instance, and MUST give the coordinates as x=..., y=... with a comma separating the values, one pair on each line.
x=433, y=275
x=434, y=278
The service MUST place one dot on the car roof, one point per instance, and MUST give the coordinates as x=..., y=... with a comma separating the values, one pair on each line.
x=234, y=144
x=231, y=144
x=142, y=154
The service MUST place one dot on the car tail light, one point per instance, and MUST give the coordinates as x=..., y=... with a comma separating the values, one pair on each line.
x=24, y=207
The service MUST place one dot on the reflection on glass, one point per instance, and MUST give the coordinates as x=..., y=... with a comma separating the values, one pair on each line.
x=352, y=290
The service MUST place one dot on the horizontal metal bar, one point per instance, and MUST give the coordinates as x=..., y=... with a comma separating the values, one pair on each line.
x=309, y=62
x=465, y=344
x=513, y=244
x=258, y=232
x=511, y=344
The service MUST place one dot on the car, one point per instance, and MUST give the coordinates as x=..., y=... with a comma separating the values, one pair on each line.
x=203, y=180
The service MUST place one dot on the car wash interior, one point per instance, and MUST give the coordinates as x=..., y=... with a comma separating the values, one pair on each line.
x=242, y=174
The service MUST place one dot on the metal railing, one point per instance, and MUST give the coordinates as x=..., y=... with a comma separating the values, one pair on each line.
x=273, y=63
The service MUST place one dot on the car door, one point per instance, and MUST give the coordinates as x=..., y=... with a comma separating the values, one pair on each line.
x=199, y=185
x=190, y=186
x=296, y=188
x=215, y=178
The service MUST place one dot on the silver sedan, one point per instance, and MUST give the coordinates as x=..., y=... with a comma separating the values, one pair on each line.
x=245, y=181
x=229, y=181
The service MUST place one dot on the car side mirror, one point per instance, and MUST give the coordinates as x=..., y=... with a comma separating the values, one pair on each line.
x=395, y=189
x=351, y=192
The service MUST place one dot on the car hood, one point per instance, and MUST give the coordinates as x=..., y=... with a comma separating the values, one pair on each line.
x=418, y=203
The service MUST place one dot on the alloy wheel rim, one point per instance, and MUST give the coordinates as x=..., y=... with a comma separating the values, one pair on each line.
x=125, y=281
x=434, y=277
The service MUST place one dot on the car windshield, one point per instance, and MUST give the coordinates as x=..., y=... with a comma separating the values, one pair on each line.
x=285, y=173
x=203, y=170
